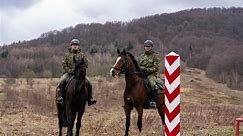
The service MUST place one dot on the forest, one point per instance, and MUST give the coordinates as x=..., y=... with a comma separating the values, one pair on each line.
x=210, y=39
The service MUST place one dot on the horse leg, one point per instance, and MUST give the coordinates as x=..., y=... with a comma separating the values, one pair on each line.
x=59, y=114
x=71, y=115
x=162, y=115
x=161, y=110
x=140, y=116
x=78, y=124
x=127, y=110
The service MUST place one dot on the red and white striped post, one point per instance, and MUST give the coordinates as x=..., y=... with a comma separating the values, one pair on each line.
x=172, y=94
x=237, y=126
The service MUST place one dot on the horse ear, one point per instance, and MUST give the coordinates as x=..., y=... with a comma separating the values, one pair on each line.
x=124, y=51
x=82, y=61
x=118, y=51
x=74, y=59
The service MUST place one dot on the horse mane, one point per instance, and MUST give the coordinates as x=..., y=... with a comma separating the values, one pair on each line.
x=79, y=64
x=135, y=64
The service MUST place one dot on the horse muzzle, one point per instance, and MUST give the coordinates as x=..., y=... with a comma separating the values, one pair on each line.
x=114, y=72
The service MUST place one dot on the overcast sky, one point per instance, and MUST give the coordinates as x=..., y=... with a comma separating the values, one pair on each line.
x=27, y=19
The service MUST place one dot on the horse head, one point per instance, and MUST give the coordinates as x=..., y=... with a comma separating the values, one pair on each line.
x=121, y=64
x=80, y=69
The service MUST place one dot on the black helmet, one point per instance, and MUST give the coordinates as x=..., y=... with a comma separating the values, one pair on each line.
x=75, y=41
x=148, y=43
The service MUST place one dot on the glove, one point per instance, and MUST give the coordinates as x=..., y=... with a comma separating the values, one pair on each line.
x=143, y=69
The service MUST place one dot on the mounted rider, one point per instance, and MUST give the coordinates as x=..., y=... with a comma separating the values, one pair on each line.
x=74, y=51
x=149, y=65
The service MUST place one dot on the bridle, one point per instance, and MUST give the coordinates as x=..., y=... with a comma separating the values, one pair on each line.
x=124, y=68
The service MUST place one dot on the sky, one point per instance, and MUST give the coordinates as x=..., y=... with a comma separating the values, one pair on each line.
x=28, y=19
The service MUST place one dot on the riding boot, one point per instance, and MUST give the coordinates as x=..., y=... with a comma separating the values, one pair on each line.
x=60, y=91
x=152, y=103
x=91, y=100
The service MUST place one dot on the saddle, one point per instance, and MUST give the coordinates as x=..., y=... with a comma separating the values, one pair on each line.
x=159, y=83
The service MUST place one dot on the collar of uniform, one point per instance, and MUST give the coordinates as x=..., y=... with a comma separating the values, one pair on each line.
x=70, y=50
x=148, y=52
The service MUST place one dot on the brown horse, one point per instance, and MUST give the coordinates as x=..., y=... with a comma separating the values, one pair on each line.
x=75, y=98
x=135, y=94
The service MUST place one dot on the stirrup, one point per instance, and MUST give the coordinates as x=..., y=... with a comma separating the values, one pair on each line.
x=59, y=99
x=152, y=105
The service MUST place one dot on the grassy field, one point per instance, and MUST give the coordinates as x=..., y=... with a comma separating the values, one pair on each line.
x=207, y=108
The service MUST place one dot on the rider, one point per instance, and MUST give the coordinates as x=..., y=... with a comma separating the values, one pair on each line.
x=149, y=65
x=67, y=65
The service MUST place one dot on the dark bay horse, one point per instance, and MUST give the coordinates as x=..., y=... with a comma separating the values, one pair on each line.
x=135, y=94
x=75, y=98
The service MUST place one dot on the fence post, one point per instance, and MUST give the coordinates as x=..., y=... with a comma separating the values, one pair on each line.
x=172, y=94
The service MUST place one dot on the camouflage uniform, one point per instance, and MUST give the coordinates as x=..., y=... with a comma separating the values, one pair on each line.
x=67, y=63
x=68, y=67
x=149, y=64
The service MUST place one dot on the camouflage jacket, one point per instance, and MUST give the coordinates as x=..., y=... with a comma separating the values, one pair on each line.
x=67, y=63
x=149, y=62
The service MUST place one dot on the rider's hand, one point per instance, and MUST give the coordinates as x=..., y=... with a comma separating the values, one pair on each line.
x=143, y=69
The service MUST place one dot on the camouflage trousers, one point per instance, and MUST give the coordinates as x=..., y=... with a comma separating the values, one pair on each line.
x=153, y=82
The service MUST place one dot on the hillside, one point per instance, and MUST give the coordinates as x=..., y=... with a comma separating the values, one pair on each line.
x=210, y=39
x=208, y=108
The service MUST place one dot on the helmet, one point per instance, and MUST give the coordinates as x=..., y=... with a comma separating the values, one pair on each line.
x=148, y=43
x=75, y=41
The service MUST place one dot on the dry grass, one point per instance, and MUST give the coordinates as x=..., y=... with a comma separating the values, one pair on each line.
x=207, y=116
x=31, y=102
x=25, y=94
